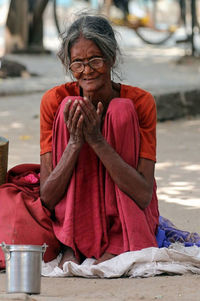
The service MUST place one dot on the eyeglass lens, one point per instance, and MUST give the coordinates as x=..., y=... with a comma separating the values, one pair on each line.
x=95, y=63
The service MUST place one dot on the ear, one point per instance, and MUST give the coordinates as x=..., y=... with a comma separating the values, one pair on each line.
x=114, y=60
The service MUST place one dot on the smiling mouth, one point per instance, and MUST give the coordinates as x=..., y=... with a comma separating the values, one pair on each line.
x=89, y=79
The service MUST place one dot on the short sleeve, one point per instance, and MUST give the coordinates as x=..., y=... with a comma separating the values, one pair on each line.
x=147, y=122
x=48, y=107
x=147, y=115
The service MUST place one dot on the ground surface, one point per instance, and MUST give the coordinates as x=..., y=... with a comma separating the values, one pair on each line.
x=177, y=168
x=164, y=288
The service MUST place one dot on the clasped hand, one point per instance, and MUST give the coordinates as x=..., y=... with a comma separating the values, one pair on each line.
x=83, y=121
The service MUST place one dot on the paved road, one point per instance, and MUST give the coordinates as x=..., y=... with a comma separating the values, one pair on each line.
x=178, y=172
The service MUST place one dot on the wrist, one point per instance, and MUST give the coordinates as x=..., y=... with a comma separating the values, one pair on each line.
x=97, y=143
x=75, y=145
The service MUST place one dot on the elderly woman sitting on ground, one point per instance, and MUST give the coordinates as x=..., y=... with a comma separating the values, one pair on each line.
x=98, y=151
x=97, y=195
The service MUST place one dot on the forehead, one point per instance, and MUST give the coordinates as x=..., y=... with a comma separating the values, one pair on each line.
x=84, y=48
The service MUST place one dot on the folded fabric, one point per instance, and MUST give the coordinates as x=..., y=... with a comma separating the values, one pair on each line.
x=175, y=260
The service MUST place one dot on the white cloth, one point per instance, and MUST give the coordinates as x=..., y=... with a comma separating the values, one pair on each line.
x=175, y=260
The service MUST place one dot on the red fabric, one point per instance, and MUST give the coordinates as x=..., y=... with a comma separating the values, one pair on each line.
x=23, y=219
x=143, y=101
x=95, y=215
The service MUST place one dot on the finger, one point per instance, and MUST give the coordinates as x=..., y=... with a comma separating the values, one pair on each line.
x=72, y=111
x=75, y=119
x=88, y=110
x=66, y=110
x=80, y=122
x=89, y=105
x=85, y=116
x=100, y=109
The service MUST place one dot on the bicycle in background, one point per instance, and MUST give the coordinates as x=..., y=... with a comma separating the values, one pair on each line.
x=154, y=21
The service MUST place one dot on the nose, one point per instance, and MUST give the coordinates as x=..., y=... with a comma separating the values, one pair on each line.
x=87, y=69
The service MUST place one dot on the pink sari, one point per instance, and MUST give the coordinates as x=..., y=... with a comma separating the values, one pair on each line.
x=95, y=216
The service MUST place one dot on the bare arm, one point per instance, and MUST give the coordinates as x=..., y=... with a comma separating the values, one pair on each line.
x=54, y=182
x=136, y=183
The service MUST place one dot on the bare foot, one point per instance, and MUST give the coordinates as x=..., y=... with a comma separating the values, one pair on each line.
x=104, y=257
x=68, y=255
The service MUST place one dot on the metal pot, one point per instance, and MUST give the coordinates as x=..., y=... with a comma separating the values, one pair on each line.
x=23, y=267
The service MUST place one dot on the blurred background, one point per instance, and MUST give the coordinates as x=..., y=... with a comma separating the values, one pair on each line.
x=29, y=25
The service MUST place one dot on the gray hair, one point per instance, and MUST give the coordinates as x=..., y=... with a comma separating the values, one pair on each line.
x=95, y=28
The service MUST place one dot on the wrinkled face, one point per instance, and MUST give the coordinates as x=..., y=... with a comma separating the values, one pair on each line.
x=90, y=80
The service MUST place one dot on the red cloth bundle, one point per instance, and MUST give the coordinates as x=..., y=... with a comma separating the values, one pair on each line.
x=23, y=219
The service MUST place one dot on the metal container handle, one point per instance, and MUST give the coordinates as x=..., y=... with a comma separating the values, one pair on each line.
x=44, y=247
x=5, y=250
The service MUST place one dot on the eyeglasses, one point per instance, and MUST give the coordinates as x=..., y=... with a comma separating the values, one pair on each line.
x=94, y=63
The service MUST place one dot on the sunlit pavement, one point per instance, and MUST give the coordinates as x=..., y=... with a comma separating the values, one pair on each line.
x=178, y=172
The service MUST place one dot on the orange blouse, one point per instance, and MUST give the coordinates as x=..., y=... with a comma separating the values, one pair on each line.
x=143, y=101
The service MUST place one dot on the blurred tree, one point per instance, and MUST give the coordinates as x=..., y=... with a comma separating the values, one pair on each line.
x=24, y=26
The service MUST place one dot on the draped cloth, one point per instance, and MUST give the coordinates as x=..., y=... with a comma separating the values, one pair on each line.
x=95, y=216
x=23, y=219
x=168, y=234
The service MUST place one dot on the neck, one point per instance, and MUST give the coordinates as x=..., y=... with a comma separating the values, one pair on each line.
x=104, y=96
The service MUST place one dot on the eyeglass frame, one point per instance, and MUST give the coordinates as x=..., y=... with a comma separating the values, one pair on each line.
x=86, y=63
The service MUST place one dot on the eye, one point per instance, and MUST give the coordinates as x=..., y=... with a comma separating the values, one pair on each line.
x=96, y=62
x=76, y=66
